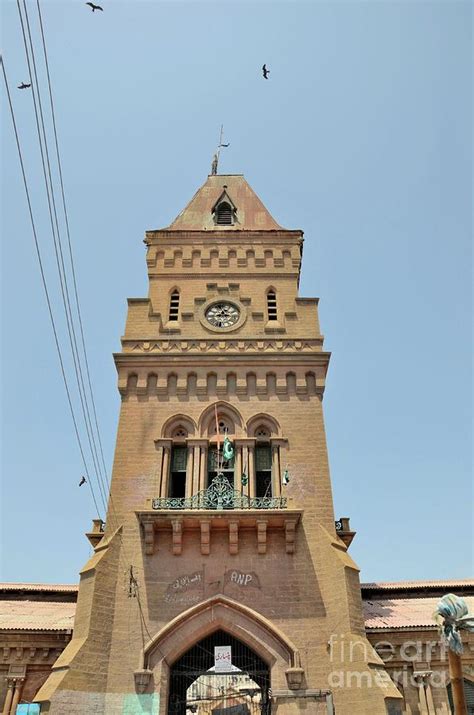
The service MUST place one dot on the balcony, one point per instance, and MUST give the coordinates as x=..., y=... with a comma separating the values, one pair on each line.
x=220, y=495
x=218, y=509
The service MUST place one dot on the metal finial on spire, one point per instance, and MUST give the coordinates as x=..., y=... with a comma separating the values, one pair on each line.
x=215, y=160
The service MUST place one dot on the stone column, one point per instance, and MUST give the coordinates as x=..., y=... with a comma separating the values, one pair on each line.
x=251, y=449
x=245, y=466
x=276, y=471
x=16, y=695
x=202, y=471
x=429, y=696
x=189, y=471
x=165, y=471
x=8, y=700
x=196, y=467
x=238, y=468
x=423, y=705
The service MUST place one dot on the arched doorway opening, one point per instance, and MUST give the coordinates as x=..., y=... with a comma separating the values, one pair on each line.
x=242, y=688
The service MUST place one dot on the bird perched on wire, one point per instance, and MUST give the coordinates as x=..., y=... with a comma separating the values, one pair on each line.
x=265, y=71
x=94, y=7
x=24, y=86
x=83, y=481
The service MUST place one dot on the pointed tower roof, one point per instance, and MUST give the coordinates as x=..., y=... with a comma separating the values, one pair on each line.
x=248, y=212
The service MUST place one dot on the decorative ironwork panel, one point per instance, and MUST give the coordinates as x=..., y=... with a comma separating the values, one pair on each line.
x=179, y=459
x=220, y=495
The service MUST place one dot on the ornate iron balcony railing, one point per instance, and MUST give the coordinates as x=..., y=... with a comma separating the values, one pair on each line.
x=220, y=494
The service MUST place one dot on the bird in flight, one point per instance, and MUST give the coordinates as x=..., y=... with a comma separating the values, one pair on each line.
x=83, y=481
x=94, y=7
x=24, y=86
x=265, y=71
x=224, y=144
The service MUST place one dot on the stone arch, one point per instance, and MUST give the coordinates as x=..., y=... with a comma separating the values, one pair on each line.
x=220, y=613
x=263, y=420
x=224, y=409
x=176, y=421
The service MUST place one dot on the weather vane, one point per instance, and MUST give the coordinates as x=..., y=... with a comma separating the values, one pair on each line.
x=215, y=160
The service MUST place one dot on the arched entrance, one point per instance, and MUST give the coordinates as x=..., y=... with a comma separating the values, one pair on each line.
x=242, y=688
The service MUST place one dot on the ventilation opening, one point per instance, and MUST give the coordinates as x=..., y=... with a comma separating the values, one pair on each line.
x=224, y=214
x=174, y=305
x=272, y=305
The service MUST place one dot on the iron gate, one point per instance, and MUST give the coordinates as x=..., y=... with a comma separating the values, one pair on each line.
x=196, y=688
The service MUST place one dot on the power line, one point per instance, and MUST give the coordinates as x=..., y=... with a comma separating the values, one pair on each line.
x=45, y=287
x=66, y=217
x=40, y=125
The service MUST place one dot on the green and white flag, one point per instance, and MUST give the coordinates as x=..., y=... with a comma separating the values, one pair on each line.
x=286, y=477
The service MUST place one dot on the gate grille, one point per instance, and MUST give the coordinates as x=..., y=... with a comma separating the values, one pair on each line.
x=243, y=691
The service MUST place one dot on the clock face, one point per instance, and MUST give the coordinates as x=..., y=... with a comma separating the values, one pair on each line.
x=222, y=315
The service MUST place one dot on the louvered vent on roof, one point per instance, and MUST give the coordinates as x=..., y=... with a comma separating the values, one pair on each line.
x=224, y=214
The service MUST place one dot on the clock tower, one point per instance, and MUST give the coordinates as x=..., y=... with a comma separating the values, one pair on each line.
x=221, y=582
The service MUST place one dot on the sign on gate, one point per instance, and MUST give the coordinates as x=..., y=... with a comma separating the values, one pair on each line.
x=222, y=658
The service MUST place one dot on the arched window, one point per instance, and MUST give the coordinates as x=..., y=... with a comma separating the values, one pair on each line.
x=272, y=305
x=174, y=305
x=224, y=214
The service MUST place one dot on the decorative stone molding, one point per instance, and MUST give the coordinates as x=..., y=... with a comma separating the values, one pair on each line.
x=294, y=677
x=205, y=522
x=142, y=679
x=237, y=346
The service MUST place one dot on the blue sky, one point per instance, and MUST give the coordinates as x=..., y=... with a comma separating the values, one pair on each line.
x=362, y=138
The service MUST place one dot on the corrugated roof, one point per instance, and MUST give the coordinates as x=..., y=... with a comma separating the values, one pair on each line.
x=44, y=587
x=250, y=215
x=410, y=585
x=36, y=615
x=403, y=612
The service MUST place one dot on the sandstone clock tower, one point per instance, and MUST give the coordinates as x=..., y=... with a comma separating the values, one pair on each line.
x=221, y=583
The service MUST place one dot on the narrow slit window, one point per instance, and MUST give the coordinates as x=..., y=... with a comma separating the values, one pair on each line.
x=272, y=305
x=224, y=214
x=174, y=305
x=177, y=488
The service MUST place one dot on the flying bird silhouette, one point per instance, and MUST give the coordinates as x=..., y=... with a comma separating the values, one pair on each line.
x=265, y=71
x=24, y=86
x=94, y=7
x=83, y=481
x=224, y=144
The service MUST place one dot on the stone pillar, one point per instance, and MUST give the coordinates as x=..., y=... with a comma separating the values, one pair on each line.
x=251, y=449
x=8, y=700
x=276, y=471
x=429, y=696
x=16, y=695
x=423, y=705
x=165, y=471
x=189, y=471
x=196, y=467
x=238, y=468
x=202, y=470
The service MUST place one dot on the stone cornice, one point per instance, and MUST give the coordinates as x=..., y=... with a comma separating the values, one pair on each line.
x=227, y=346
x=176, y=238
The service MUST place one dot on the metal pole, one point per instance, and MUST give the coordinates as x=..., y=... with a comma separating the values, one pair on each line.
x=457, y=683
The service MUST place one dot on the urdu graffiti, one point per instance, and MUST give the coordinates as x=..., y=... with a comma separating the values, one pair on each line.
x=177, y=591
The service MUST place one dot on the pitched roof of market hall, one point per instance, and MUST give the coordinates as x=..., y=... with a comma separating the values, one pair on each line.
x=250, y=213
